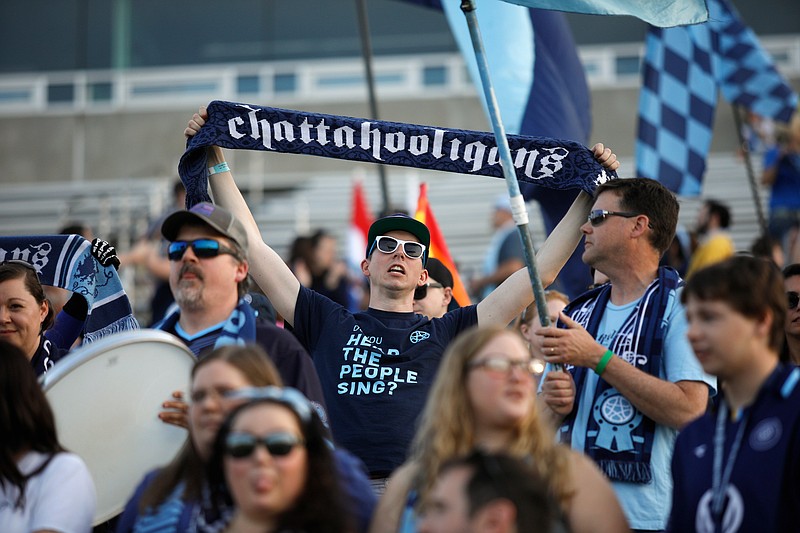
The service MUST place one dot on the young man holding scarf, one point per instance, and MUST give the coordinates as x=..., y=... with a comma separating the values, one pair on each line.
x=377, y=366
x=632, y=378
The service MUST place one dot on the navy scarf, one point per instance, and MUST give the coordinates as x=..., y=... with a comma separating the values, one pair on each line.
x=619, y=437
x=239, y=329
x=552, y=163
x=66, y=261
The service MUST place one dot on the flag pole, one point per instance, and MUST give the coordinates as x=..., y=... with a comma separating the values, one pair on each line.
x=737, y=117
x=517, y=202
x=366, y=52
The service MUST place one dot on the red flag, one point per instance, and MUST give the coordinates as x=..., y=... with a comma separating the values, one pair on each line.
x=360, y=220
x=438, y=245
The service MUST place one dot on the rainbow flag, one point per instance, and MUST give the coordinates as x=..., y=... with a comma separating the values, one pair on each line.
x=439, y=248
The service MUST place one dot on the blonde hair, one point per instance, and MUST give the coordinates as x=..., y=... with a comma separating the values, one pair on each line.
x=532, y=310
x=447, y=424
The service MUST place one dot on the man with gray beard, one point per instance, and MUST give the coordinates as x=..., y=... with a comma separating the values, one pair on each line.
x=208, y=278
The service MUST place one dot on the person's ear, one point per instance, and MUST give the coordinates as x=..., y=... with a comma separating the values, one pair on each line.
x=241, y=271
x=423, y=278
x=448, y=296
x=365, y=267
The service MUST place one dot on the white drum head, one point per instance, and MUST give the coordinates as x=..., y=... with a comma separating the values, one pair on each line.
x=106, y=397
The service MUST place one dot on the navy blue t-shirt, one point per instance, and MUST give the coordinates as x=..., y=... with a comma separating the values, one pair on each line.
x=290, y=358
x=764, y=491
x=376, y=368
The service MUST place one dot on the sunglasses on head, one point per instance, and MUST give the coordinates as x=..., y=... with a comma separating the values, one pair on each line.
x=421, y=292
x=202, y=248
x=21, y=263
x=793, y=299
x=388, y=245
x=287, y=396
x=598, y=216
x=279, y=444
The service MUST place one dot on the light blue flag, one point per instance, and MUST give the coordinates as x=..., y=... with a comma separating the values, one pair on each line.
x=661, y=13
x=508, y=41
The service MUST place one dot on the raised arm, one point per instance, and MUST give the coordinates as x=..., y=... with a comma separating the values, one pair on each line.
x=508, y=300
x=512, y=296
x=266, y=266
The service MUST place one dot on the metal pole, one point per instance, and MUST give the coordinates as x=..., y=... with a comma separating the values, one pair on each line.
x=366, y=52
x=517, y=202
x=737, y=117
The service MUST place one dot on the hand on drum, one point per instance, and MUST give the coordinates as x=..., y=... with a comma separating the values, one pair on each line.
x=175, y=411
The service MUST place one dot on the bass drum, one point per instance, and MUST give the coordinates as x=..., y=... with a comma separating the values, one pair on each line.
x=106, y=397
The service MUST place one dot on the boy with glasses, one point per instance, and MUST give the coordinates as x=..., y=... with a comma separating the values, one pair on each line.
x=435, y=298
x=377, y=366
x=208, y=277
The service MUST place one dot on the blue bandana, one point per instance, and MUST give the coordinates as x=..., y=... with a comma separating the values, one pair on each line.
x=549, y=162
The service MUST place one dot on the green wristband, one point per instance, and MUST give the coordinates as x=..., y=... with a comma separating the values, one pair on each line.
x=601, y=366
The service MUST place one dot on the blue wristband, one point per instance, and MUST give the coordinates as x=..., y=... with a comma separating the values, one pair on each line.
x=216, y=169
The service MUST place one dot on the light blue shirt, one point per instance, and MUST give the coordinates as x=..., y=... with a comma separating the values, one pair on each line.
x=645, y=506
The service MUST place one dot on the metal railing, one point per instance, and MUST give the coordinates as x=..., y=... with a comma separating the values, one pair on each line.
x=287, y=82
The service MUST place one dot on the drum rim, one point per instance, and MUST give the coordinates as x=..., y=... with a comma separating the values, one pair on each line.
x=101, y=346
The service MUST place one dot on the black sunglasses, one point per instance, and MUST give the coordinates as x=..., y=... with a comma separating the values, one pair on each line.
x=793, y=298
x=202, y=248
x=598, y=216
x=421, y=292
x=241, y=445
x=388, y=245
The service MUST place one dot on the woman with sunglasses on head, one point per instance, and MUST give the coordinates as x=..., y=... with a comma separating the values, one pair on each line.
x=484, y=397
x=25, y=315
x=273, y=470
x=43, y=488
x=529, y=323
x=27, y=319
x=169, y=499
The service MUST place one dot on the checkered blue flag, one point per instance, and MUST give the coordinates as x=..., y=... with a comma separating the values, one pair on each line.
x=683, y=70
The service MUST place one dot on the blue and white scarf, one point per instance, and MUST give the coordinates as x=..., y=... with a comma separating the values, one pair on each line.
x=618, y=436
x=556, y=164
x=240, y=328
x=66, y=261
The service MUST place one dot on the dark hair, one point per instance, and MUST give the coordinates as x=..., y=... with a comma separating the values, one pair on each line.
x=764, y=246
x=496, y=476
x=650, y=198
x=187, y=467
x=26, y=420
x=320, y=507
x=716, y=207
x=753, y=286
x=791, y=270
x=9, y=271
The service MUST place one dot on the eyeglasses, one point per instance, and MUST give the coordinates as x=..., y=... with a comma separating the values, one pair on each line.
x=217, y=393
x=388, y=245
x=501, y=365
x=279, y=444
x=598, y=216
x=202, y=248
x=793, y=298
x=421, y=292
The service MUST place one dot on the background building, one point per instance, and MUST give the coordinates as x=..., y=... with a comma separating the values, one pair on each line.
x=94, y=95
